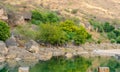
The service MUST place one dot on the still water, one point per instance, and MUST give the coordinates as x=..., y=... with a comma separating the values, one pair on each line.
x=56, y=64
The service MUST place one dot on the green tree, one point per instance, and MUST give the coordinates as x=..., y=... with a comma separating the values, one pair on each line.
x=4, y=31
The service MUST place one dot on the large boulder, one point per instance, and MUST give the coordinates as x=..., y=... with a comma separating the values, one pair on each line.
x=32, y=46
x=3, y=49
x=11, y=42
x=15, y=19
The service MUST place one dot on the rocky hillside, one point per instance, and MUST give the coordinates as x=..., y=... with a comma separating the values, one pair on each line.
x=101, y=9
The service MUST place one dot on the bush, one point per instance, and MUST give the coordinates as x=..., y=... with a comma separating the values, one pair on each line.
x=81, y=36
x=118, y=39
x=75, y=33
x=37, y=17
x=51, y=34
x=107, y=27
x=44, y=17
x=113, y=41
x=97, y=25
x=111, y=35
x=117, y=32
x=52, y=17
x=4, y=31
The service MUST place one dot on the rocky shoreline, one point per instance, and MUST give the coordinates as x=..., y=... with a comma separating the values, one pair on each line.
x=33, y=51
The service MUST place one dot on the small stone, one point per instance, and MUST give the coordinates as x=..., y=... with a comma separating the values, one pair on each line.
x=69, y=55
x=23, y=69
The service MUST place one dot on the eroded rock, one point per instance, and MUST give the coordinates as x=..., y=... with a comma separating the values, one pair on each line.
x=32, y=46
x=11, y=42
x=3, y=48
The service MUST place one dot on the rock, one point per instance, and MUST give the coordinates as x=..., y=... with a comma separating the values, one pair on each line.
x=44, y=55
x=3, y=15
x=27, y=15
x=2, y=58
x=18, y=59
x=58, y=52
x=23, y=69
x=11, y=42
x=3, y=49
x=32, y=46
x=15, y=19
x=16, y=52
x=69, y=55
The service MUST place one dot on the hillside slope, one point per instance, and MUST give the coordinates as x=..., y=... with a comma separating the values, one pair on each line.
x=106, y=9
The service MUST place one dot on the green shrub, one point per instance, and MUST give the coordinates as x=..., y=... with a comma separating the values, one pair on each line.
x=107, y=27
x=111, y=35
x=117, y=32
x=69, y=27
x=81, y=36
x=118, y=39
x=4, y=31
x=75, y=33
x=51, y=34
x=113, y=41
x=52, y=17
x=97, y=25
x=39, y=17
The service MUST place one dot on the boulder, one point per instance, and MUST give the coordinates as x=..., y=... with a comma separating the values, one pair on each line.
x=32, y=46
x=27, y=15
x=44, y=55
x=15, y=19
x=11, y=42
x=3, y=49
x=3, y=15
x=16, y=52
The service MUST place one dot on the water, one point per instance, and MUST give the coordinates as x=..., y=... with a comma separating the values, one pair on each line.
x=78, y=64
x=56, y=64
x=61, y=64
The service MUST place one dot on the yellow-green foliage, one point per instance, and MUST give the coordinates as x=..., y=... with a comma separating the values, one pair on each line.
x=50, y=33
x=75, y=32
x=4, y=31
